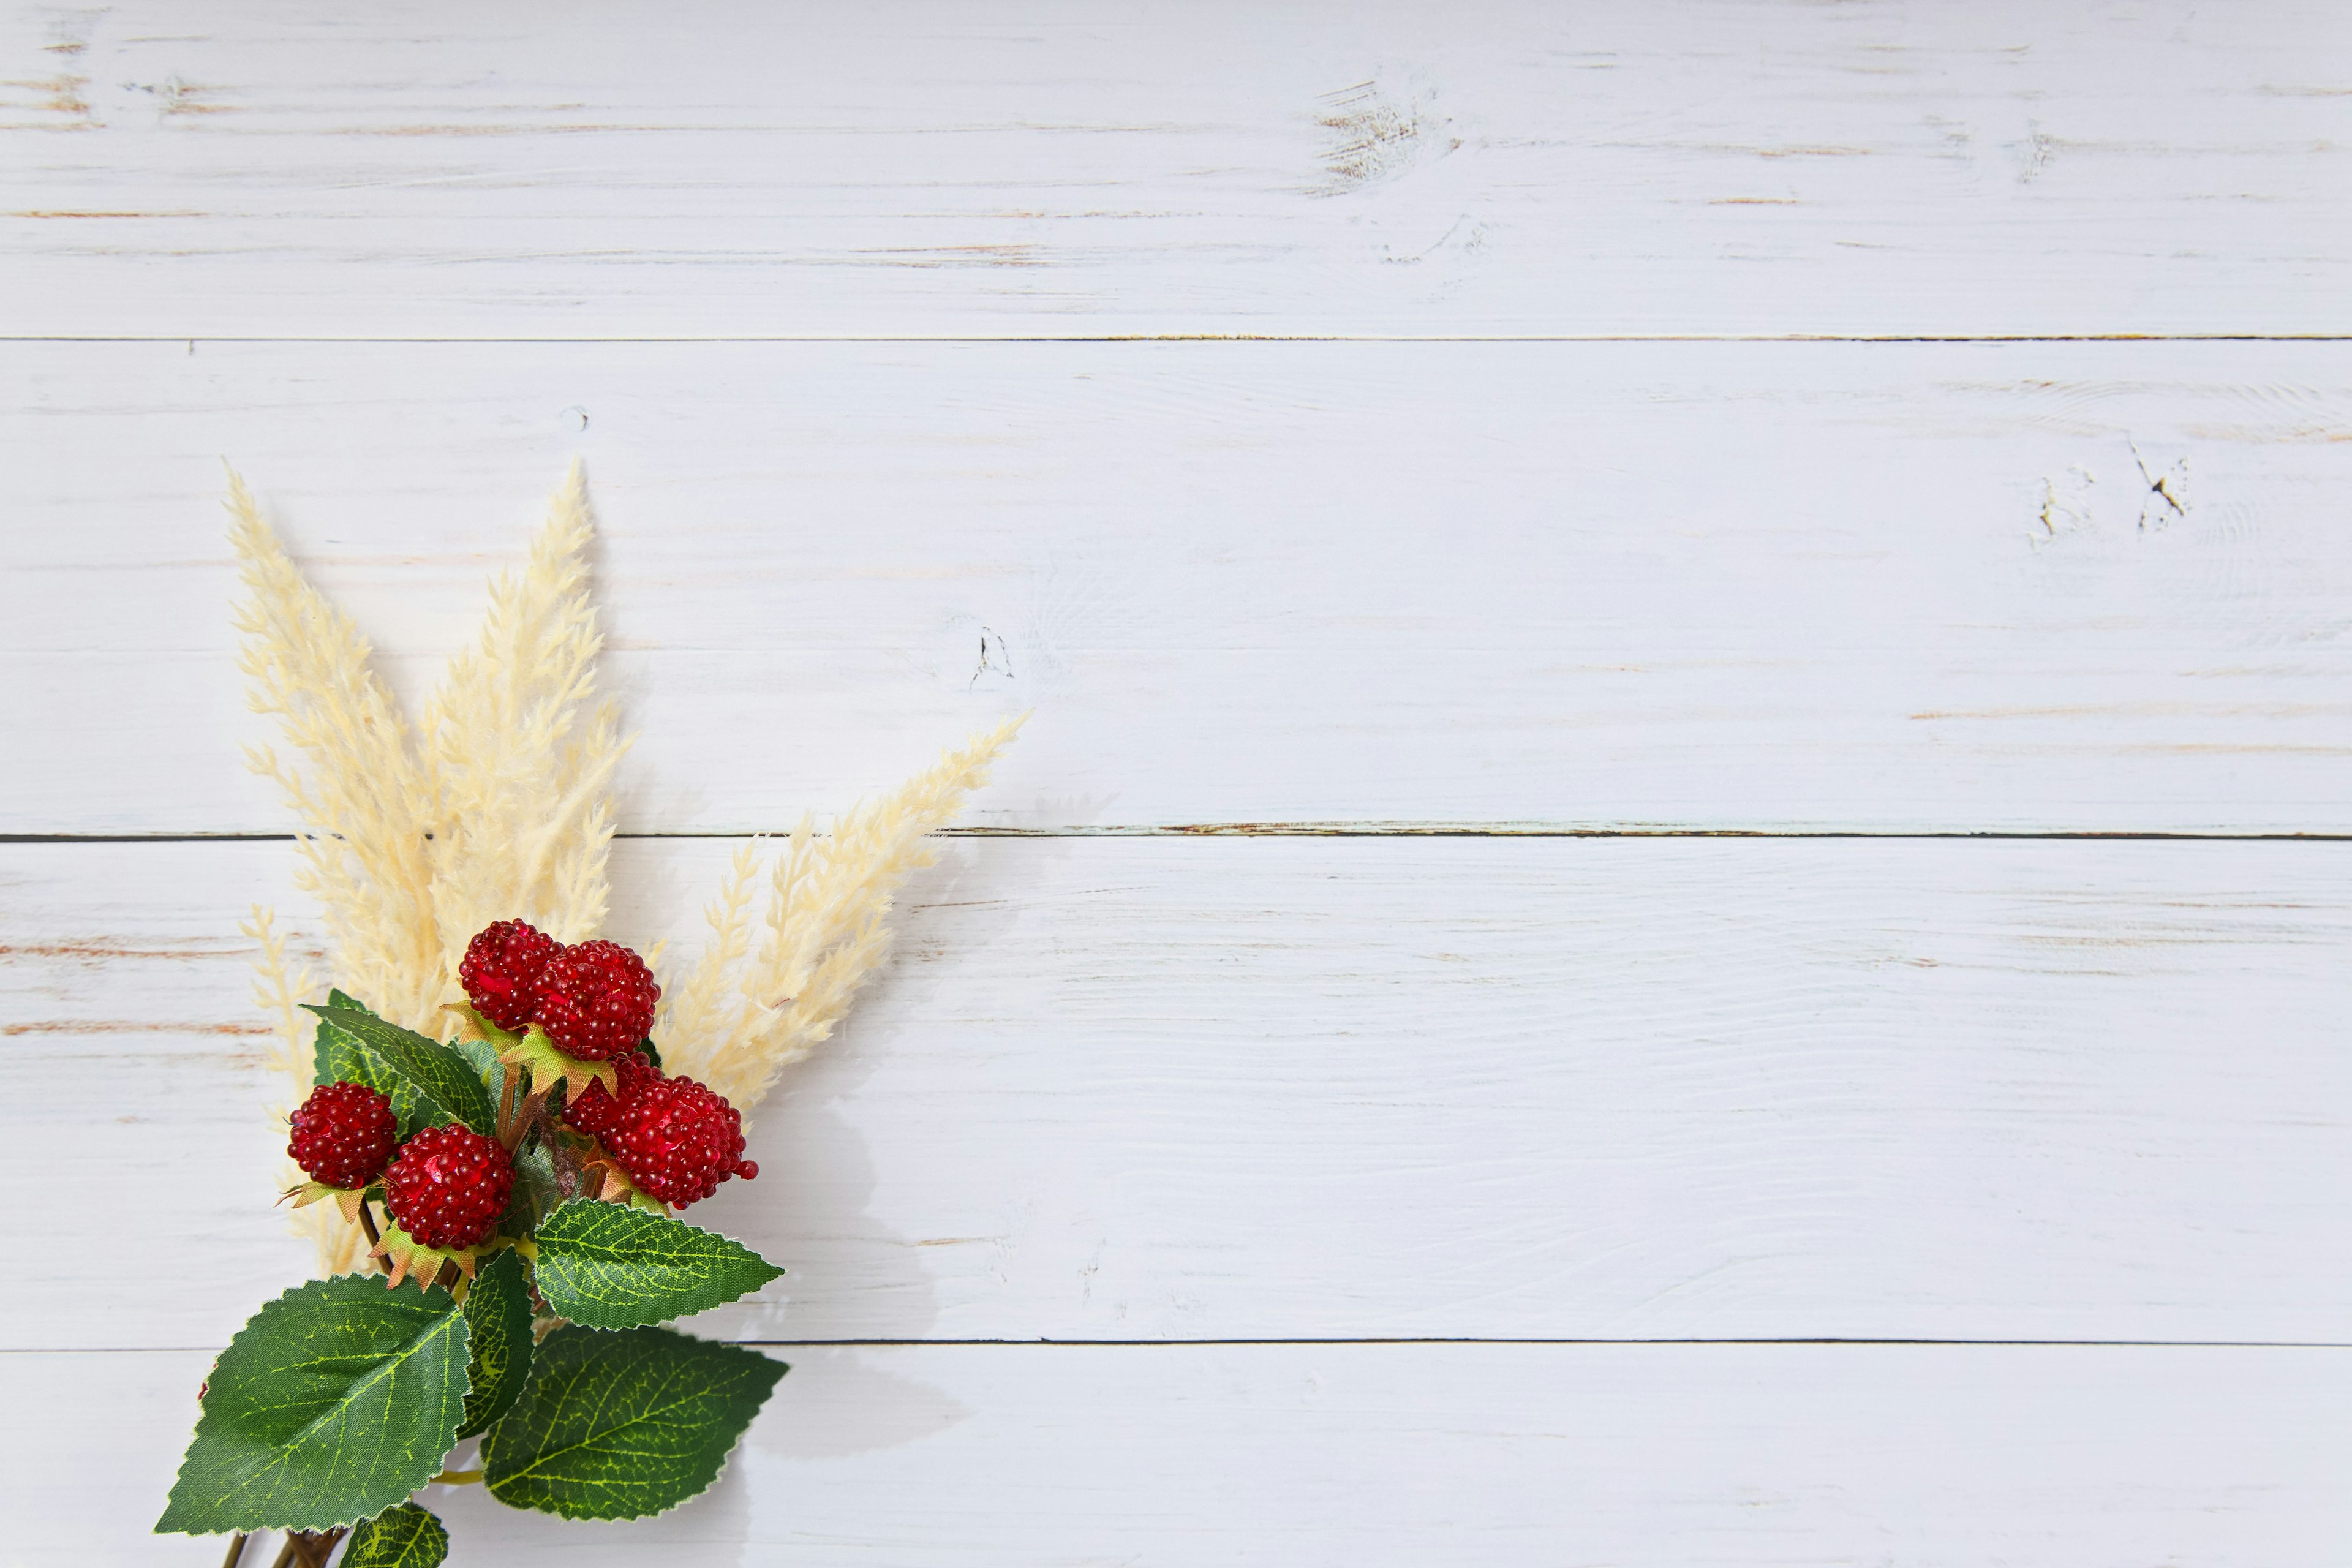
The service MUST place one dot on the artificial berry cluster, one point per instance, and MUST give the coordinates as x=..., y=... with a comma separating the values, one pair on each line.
x=674, y=1138
x=594, y=999
x=343, y=1135
x=677, y=1140
x=447, y=1186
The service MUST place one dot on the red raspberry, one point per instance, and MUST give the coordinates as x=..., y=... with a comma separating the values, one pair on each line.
x=596, y=1000
x=449, y=1186
x=596, y=1112
x=679, y=1140
x=501, y=972
x=342, y=1134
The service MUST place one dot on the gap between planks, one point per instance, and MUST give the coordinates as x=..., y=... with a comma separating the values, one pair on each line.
x=1234, y=338
x=1335, y=830
x=1855, y=1342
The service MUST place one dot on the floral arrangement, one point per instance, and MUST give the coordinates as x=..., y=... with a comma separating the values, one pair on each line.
x=488, y=1146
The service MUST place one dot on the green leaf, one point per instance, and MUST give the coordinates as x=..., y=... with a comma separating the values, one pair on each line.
x=483, y=1047
x=483, y=1057
x=537, y=1190
x=651, y=1052
x=403, y=1537
x=428, y=1083
x=620, y=1425
x=609, y=1266
x=333, y=1402
x=498, y=1349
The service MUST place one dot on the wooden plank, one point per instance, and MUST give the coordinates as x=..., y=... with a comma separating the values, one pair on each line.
x=1391, y=1454
x=1709, y=168
x=1896, y=587
x=1220, y=1088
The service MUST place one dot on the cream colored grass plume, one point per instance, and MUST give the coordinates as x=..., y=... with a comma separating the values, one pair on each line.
x=497, y=804
x=742, y=1016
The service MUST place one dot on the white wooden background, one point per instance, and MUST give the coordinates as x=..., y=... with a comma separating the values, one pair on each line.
x=1681, y=887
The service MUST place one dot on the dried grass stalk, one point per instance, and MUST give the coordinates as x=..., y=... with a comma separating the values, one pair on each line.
x=498, y=804
x=278, y=991
x=742, y=1016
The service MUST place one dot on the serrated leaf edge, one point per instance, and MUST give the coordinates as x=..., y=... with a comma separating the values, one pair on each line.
x=203, y=1393
x=325, y=1016
x=640, y=1200
x=613, y=1187
x=725, y=1459
x=410, y=1505
x=521, y=1375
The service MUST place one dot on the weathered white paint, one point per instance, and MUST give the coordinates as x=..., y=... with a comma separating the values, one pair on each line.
x=1649, y=1455
x=1882, y=587
x=1368, y=1090
x=1280, y=1088
x=1067, y=169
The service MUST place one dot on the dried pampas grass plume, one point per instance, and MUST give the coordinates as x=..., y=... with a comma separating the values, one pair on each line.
x=743, y=1016
x=497, y=803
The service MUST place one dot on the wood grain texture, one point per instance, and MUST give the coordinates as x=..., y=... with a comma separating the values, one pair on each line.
x=1361, y=1094
x=901, y=170
x=1941, y=1457
x=1222, y=1088
x=1901, y=587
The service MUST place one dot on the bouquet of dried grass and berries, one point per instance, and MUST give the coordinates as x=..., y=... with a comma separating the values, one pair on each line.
x=490, y=1147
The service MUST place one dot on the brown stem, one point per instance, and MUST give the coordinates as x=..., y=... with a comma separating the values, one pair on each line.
x=509, y=1078
x=313, y=1547
x=520, y=1109
x=236, y=1551
x=285, y=1552
x=528, y=1114
x=367, y=1224
x=568, y=1179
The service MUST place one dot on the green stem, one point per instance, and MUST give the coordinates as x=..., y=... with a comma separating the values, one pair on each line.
x=459, y=1478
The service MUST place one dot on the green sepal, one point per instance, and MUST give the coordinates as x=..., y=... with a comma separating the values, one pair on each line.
x=401, y=1537
x=333, y=1403
x=497, y=1351
x=612, y=1185
x=490, y=1034
x=624, y=1425
x=346, y=1199
x=543, y=1064
x=613, y=1267
x=428, y=1084
x=413, y=1263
